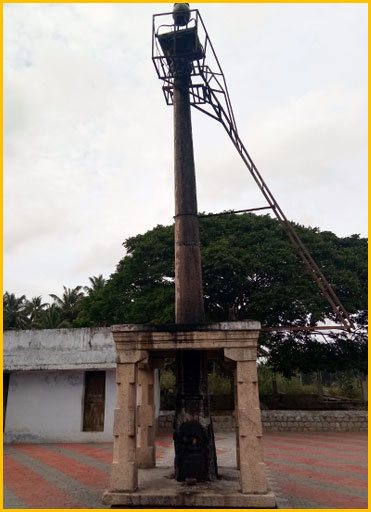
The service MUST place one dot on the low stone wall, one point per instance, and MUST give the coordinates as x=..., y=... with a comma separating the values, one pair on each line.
x=287, y=421
x=311, y=421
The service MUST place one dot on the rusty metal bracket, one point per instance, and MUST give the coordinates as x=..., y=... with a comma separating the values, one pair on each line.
x=304, y=328
x=230, y=212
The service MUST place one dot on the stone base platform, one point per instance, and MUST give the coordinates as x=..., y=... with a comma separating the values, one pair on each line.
x=158, y=488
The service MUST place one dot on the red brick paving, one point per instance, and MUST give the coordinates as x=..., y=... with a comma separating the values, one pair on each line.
x=336, y=479
x=326, y=498
x=320, y=442
x=325, y=470
x=337, y=454
x=350, y=438
x=33, y=489
x=303, y=465
x=318, y=463
x=85, y=474
x=91, y=451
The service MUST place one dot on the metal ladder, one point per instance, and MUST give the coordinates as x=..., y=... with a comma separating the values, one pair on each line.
x=207, y=95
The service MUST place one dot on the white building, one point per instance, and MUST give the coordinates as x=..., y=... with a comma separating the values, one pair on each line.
x=59, y=385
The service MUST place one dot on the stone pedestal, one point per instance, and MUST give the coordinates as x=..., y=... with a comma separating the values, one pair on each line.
x=139, y=349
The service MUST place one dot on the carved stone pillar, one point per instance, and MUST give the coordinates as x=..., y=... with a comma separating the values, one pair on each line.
x=138, y=346
x=124, y=473
x=146, y=452
x=252, y=467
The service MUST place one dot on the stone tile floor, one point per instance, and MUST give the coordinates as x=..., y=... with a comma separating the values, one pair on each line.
x=306, y=470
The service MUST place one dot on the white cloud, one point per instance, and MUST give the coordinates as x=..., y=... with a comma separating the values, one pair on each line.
x=88, y=137
x=311, y=133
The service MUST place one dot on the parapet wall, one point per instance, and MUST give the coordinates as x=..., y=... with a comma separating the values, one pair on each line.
x=59, y=349
x=289, y=421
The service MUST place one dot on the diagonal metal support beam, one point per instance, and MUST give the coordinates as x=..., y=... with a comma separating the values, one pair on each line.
x=318, y=276
x=209, y=93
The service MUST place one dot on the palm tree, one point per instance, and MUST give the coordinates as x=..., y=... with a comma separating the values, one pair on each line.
x=97, y=283
x=69, y=304
x=51, y=318
x=34, y=309
x=15, y=316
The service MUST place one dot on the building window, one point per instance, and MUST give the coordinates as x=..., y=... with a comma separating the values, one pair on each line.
x=94, y=401
x=6, y=377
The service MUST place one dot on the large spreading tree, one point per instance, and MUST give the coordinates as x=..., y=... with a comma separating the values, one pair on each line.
x=250, y=271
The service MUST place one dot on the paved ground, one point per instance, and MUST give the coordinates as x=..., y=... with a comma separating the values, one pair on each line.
x=324, y=470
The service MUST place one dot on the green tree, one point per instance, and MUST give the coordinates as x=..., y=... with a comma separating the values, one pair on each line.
x=341, y=351
x=97, y=284
x=250, y=270
x=14, y=313
x=141, y=290
x=34, y=309
x=70, y=303
x=349, y=351
x=51, y=318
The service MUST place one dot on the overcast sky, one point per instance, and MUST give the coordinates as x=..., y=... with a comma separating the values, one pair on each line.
x=88, y=137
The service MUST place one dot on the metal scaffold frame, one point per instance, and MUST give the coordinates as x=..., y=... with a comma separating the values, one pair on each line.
x=209, y=94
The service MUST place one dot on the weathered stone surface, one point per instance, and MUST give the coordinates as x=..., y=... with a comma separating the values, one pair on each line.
x=242, y=353
x=189, y=300
x=252, y=472
x=59, y=349
x=158, y=489
x=242, y=335
x=135, y=344
x=243, y=325
x=146, y=452
x=322, y=421
x=131, y=355
x=302, y=421
x=124, y=472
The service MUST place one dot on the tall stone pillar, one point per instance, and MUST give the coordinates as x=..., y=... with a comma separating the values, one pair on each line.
x=189, y=302
x=195, y=454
